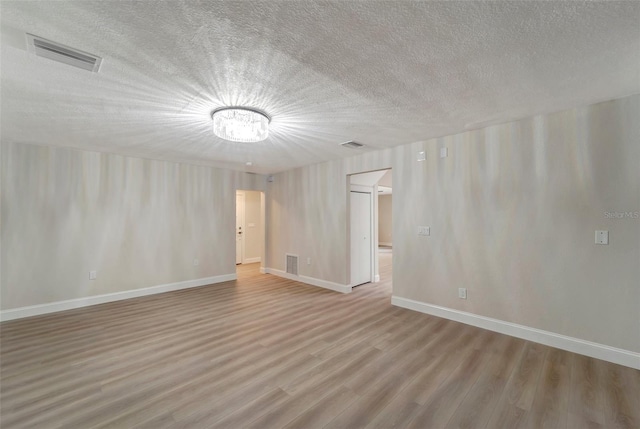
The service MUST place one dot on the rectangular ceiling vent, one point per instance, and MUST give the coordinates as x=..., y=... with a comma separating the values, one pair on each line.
x=352, y=145
x=63, y=54
x=292, y=264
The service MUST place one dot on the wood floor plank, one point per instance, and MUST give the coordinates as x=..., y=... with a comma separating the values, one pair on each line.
x=318, y=415
x=447, y=397
x=586, y=405
x=622, y=396
x=517, y=397
x=243, y=416
x=478, y=405
x=551, y=402
x=266, y=352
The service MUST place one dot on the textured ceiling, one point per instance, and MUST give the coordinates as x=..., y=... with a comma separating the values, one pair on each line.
x=380, y=73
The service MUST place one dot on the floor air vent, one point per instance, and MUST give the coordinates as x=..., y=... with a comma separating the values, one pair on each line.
x=63, y=54
x=292, y=264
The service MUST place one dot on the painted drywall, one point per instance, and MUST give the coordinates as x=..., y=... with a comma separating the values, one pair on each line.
x=254, y=232
x=512, y=211
x=386, y=180
x=385, y=230
x=138, y=223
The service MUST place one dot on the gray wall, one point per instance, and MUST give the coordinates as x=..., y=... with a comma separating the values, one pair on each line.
x=512, y=211
x=139, y=223
x=385, y=230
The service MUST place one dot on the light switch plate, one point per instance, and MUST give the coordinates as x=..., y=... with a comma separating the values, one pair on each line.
x=462, y=293
x=424, y=230
x=444, y=152
x=422, y=156
x=602, y=237
x=93, y=275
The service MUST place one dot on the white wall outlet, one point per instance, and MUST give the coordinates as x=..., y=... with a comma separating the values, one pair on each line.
x=602, y=237
x=93, y=275
x=444, y=152
x=462, y=293
x=308, y=261
x=422, y=155
x=424, y=230
x=196, y=262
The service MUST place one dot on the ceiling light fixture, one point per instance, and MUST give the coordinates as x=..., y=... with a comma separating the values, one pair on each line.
x=240, y=124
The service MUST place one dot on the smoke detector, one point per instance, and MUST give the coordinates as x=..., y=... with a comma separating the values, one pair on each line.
x=63, y=54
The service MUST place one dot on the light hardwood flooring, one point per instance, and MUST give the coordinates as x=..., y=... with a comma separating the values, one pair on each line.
x=264, y=352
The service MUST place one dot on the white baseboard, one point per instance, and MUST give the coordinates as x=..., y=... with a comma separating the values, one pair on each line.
x=52, y=307
x=575, y=345
x=263, y=270
x=310, y=281
x=252, y=260
x=384, y=243
x=376, y=278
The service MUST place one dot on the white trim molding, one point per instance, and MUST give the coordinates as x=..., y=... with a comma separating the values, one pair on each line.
x=53, y=307
x=575, y=345
x=252, y=260
x=310, y=280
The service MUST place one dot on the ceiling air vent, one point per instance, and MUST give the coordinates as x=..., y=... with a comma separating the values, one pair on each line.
x=63, y=54
x=351, y=144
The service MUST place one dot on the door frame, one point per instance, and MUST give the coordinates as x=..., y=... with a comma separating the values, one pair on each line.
x=240, y=194
x=375, y=266
x=370, y=190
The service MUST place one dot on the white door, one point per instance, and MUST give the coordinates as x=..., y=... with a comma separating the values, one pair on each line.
x=239, y=224
x=360, y=238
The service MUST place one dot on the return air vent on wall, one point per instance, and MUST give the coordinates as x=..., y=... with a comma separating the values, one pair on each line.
x=63, y=54
x=352, y=145
x=292, y=264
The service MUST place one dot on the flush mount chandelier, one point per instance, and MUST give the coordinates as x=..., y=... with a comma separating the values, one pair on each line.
x=240, y=124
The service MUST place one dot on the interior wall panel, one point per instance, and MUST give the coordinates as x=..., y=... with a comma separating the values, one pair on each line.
x=513, y=210
x=137, y=222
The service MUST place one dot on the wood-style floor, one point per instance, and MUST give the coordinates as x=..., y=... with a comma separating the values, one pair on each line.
x=265, y=352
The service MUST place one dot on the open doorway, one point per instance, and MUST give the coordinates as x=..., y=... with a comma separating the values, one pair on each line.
x=370, y=252
x=385, y=229
x=250, y=231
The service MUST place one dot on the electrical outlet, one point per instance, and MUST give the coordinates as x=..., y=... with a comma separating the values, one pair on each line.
x=93, y=275
x=462, y=293
x=422, y=156
x=308, y=261
x=444, y=152
x=196, y=262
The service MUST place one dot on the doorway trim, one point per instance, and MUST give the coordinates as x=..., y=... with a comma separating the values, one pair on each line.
x=375, y=276
x=253, y=222
x=366, y=190
x=240, y=229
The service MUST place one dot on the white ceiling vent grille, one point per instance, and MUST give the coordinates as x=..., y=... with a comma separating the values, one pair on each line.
x=352, y=145
x=63, y=54
x=292, y=264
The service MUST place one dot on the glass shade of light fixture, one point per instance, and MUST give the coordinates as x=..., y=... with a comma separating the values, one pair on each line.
x=240, y=124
